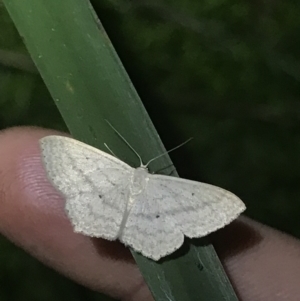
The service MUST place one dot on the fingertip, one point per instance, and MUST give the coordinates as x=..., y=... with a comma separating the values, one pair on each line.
x=26, y=206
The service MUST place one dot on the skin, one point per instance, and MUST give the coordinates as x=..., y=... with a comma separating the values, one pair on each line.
x=262, y=263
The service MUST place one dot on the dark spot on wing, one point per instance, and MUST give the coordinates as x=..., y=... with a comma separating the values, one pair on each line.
x=157, y=216
x=100, y=196
x=193, y=193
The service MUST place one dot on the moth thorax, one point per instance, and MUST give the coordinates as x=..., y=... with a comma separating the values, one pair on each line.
x=139, y=180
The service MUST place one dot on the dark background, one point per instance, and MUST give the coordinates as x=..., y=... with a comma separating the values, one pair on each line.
x=224, y=72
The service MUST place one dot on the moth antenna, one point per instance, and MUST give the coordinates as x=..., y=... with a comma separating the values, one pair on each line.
x=128, y=144
x=163, y=154
x=110, y=150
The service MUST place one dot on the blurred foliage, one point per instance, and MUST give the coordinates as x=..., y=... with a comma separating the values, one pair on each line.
x=224, y=72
